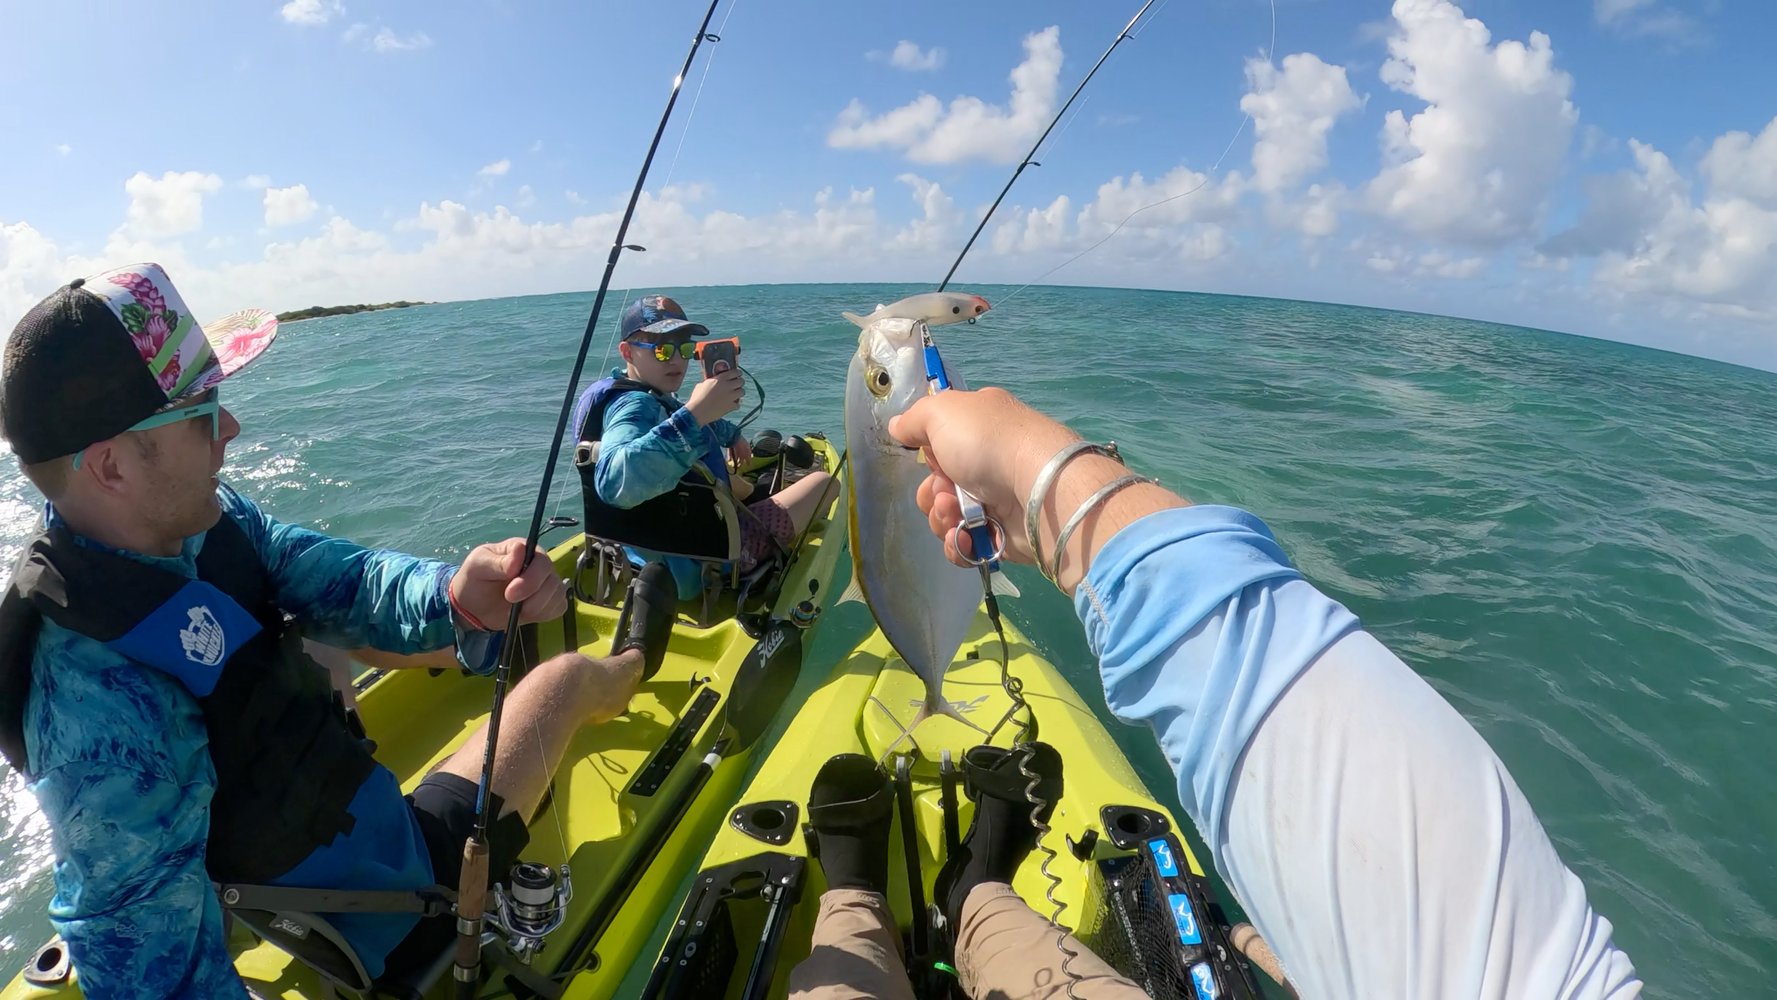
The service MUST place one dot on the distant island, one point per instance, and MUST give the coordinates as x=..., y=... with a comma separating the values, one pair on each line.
x=315, y=312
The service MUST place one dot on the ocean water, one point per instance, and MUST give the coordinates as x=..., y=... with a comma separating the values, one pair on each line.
x=1574, y=541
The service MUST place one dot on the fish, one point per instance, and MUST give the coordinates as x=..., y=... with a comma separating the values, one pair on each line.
x=936, y=308
x=922, y=601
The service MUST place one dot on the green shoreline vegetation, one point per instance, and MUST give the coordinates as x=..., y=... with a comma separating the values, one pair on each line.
x=315, y=312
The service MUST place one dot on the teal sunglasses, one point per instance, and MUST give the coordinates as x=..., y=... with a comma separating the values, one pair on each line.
x=207, y=405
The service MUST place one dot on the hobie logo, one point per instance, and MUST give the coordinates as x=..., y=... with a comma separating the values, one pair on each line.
x=1184, y=918
x=964, y=707
x=1204, y=981
x=202, y=638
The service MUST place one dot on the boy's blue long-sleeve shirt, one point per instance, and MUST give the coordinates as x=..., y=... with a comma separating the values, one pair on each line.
x=122, y=769
x=649, y=441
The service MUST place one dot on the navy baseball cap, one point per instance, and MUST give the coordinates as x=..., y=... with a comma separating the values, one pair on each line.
x=657, y=314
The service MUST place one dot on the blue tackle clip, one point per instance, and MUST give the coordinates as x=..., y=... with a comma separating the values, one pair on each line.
x=981, y=528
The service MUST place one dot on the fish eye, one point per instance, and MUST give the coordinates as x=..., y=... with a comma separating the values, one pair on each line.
x=877, y=381
x=955, y=310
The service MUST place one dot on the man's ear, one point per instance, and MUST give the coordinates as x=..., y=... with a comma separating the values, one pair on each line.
x=103, y=465
x=623, y=350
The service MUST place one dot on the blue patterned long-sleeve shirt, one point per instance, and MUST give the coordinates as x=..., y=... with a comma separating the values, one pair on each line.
x=648, y=444
x=122, y=770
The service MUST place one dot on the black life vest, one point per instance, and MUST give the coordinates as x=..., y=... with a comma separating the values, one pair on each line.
x=688, y=520
x=287, y=760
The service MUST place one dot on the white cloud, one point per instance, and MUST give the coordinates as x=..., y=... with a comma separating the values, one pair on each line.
x=288, y=206
x=170, y=206
x=1655, y=245
x=1038, y=230
x=357, y=31
x=526, y=197
x=1609, y=11
x=909, y=56
x=937, y=229
x=1476, y=166
x=1314, y=214
x=1178, y=217
x=1293, y=109
x=255, y=182
x=537, y=147
x=498, y=168
x=310, y=13
x=386, y=40
x=63, y=149
x=1399, y=262
x=1646, y=17
x=574, y=198
x=969, y=128
x=1742, y=166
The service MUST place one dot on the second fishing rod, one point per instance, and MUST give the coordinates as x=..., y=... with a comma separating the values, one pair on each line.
x=471, y=888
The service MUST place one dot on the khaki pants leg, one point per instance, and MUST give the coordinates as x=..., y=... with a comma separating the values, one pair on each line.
x=855, y=952
x=1005, y=951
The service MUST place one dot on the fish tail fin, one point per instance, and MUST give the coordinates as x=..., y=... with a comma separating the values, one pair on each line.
x=855, y=318
x=937, y=704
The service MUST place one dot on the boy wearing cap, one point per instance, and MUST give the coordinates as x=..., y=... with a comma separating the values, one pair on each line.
x=153, y=688
x=649, y=442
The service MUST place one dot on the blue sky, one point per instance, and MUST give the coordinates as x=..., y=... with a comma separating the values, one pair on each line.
x=1605, y=167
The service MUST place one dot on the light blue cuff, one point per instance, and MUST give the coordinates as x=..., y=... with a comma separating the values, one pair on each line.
x=1200, y=623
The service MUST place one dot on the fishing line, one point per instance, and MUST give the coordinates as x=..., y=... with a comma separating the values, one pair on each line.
x=466, y=971
x=690, y=116
x=691, y=112
x=1122, y=36
x=1246, y=119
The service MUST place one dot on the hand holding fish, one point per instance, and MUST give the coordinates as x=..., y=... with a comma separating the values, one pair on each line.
x=995, y=446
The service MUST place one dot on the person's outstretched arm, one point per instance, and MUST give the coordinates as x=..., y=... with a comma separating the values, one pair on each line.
x=1375, y=839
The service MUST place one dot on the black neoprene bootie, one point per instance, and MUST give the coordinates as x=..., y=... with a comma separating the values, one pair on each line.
x=1001, y=835
x=850, y=806
x=646, y=622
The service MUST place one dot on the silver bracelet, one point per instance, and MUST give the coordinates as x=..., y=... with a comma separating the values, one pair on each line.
x=1067, y=530
x=1046, y=479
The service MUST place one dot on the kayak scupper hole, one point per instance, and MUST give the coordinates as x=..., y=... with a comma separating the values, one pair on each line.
x=1134, y=824
x=768, y=818
x=49, y=958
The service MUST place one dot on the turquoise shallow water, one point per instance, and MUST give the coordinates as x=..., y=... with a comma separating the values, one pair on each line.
x=1573, y=540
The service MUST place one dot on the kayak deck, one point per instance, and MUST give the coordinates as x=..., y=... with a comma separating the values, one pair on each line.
x=1118, y=856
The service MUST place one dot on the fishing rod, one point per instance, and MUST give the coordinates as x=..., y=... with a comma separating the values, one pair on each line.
x=985, y=553
x=472, y=885
x=1122, y=36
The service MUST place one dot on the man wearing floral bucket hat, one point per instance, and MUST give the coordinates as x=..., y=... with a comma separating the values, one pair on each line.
x=153, y=685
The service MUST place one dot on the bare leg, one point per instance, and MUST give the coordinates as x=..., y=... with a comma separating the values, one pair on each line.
x=803, y=498
x=542, y=713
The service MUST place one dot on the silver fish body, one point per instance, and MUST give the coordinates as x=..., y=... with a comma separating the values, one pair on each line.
x=935, y=308
x=923, y=603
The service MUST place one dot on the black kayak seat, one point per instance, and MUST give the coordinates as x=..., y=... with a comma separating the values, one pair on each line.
x=714, y=545
x=293, y=921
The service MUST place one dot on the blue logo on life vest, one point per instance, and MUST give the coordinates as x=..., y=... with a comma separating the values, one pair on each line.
x=1184, y=918
x=191, y=636
x=1203, y=980
x=1162, y=852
